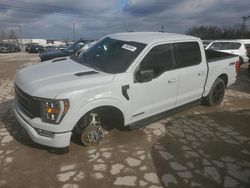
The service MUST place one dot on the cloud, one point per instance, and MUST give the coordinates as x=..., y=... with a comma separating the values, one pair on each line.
x=148, y=7
x=95, y=18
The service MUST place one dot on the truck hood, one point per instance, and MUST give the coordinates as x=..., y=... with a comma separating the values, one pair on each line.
x=50, y=79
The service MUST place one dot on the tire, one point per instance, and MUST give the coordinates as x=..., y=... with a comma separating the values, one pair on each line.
x=216, y=94
x=241, y=61
x=249, y=70
x=90, y=133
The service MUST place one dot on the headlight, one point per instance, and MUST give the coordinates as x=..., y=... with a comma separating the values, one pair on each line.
x=54, y=110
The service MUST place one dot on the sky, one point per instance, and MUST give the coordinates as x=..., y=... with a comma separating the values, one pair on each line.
x=54, y=19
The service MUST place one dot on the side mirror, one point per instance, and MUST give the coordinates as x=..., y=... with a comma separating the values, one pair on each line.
x=144, y=75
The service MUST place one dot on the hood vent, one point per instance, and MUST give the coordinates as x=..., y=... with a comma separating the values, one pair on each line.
x=60, y=59
x=86, y=73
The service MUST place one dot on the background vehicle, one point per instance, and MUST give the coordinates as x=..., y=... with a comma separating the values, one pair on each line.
x=9, y=48
x=27, y=46
x=50, y=48
x=206, y=42
x=84, y=48
x=34, y=48
x=106, y=86
x=232, y=47
x=247, y=45
x=70, y=50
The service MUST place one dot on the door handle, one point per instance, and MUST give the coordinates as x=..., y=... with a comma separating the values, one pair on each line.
x=201, y=73
x=172, y=80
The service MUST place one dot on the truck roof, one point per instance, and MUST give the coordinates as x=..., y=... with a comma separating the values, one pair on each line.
x=150, y=37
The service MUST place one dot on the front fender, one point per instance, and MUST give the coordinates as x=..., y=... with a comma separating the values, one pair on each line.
x=99, y=103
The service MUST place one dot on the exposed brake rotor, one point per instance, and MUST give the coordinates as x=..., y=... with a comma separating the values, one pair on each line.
x=92, y=135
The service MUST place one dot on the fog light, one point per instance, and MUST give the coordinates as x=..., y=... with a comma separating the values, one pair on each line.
x=45, y=133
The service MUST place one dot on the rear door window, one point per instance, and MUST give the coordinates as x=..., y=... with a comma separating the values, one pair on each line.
x=187, y=54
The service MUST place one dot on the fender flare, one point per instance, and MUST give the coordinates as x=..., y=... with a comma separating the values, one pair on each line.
x=99, y=103
x=216, y=75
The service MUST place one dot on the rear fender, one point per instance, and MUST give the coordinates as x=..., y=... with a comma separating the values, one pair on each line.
x=213, y=75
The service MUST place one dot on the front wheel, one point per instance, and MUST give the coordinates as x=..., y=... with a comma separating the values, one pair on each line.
x=92, y=135
x=90, y=129
x=216, y=94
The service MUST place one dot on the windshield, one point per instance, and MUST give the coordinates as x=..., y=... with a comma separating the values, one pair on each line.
x=225, y=46
x=111, y=55
x=74, y=47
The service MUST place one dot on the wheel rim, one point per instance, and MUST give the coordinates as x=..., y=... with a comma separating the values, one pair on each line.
x=92, y=135
x=218, y=93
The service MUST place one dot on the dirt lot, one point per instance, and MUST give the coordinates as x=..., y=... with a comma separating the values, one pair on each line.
x=199, y=147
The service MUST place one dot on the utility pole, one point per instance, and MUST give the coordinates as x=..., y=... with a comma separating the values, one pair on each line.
x=244, y=28
x=73, y=31
x=20, y=30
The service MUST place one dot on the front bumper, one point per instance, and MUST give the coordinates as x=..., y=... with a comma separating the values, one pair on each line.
x=56, y=140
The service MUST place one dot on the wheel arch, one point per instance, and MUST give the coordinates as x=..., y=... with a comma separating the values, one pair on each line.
x=241, y=60
x=113, y=106
x=224, y=77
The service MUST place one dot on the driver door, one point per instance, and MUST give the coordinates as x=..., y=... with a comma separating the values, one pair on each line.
x=156, y=93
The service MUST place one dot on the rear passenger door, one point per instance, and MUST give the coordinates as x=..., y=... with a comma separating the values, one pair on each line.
x=193, y=71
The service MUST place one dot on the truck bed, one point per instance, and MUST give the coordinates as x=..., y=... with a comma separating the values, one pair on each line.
x=220, y=63
x=213, y=55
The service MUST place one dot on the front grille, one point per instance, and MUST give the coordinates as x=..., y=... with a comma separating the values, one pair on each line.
x=29, y=105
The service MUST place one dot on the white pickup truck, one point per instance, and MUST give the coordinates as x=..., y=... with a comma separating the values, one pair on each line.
x=125, y=79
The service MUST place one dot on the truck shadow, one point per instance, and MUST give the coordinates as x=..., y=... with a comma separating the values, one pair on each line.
x=203, y=151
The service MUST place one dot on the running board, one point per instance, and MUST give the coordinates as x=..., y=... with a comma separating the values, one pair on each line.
x=144, y=122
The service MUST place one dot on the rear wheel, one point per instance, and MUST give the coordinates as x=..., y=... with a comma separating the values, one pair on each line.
x=216, y=95
x=241, y=61
x=249, y=70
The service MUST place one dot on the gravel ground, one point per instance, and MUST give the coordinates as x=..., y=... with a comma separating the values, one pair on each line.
x=198, y=147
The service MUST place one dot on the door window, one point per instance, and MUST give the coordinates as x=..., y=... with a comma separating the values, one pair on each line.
x=159, y=59
x=187, y=54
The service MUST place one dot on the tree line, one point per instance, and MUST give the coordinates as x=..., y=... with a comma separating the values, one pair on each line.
x=215, y=32
x=8, y=35
x=203, y=32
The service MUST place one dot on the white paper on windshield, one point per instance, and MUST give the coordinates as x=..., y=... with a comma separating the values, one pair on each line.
x=129, y=47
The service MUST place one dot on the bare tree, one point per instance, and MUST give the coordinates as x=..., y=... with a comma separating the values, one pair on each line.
x=215, y=32
x=12, y=34
x=2, y=35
